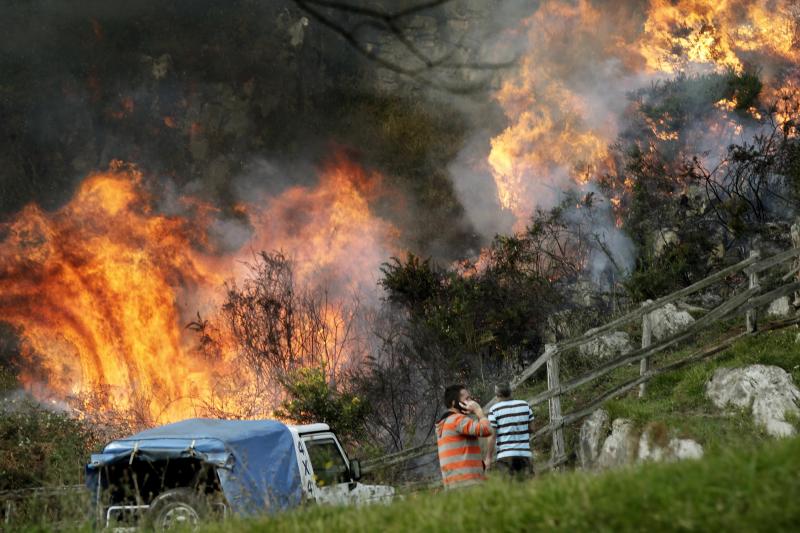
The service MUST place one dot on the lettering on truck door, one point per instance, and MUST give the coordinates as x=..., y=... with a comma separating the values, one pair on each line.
x=330, y=469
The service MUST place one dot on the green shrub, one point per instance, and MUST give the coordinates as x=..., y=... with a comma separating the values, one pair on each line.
x=311, y=399
x=41, y=447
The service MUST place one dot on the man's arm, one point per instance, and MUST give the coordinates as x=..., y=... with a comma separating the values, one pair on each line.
x=530, y=420
x=470, y=427
x=487, y=462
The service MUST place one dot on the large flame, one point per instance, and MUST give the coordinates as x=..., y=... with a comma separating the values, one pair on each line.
x=718, y=33
x=557, y=134
x=581, y=59
x=102, y=288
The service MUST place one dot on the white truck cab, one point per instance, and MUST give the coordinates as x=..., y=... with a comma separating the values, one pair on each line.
x=328, y=476
x=183, y=473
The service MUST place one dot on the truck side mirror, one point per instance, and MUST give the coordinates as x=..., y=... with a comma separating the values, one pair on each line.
x=355, y=469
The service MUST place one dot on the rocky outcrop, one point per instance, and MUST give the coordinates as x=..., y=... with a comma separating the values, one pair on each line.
x=623, y=445
x=781, y=307
x=607, y=346
x=682, y=449
x=664, y=238
x=768, y=391
x=655, y=445
x=667, y=320
x=592, y=436
x=619, y=448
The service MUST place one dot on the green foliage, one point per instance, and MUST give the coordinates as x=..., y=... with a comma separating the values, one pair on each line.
x=679, y=265
x=477, y=318
x=791, y=166
x=744, y=489
x=311, y=399
x=744, y=89
x=412, y=283
x=40, y=447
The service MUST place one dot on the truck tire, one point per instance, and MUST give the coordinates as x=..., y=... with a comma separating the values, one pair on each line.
x=181, y=509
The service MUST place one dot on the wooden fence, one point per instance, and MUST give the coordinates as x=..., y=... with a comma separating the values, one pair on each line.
x=747, y=300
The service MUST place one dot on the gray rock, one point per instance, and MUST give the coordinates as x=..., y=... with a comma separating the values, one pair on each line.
x=607, y=346
x=619, y=447
x=768, y=391
x=780, y=308
x=652, y=448
x=592, y=435
x=681, y=449
x=648, y=449
x=663, y=238
x=668, y=320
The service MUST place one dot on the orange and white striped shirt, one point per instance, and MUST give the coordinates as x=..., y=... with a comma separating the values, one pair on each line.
x=459, y=449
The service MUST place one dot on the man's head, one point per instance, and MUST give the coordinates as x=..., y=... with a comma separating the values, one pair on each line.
x=503, y=390
x=455, y=394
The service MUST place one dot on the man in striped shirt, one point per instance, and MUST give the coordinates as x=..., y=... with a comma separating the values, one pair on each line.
x=457, y=435
x=512, y=421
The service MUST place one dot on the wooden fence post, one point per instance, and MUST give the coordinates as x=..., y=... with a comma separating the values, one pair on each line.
x=553, y=383
x=751, y=317
x=647, y=340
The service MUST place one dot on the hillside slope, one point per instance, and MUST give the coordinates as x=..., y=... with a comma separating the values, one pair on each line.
x=747, y=489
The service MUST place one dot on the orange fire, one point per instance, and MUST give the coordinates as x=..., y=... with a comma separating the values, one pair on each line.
x=718, y=33
x=556, y=134
x=580, y=57
x=102, y=288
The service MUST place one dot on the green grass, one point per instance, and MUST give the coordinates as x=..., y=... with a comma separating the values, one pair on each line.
x=751, y=489
x=677, y=399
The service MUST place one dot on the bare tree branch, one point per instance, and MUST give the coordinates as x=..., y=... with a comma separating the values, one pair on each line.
x=325, y=11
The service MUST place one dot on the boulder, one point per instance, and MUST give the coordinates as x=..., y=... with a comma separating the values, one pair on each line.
x=780, y=307
x=619, y=448
x=651, y=444
x=667, y=320
x=592, y=435
x=607, y=346
x=768, y=391
x=663, y=238
x=655, y=445
x=681, y=449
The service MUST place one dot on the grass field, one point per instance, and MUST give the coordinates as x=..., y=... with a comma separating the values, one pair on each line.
x=677, y=400
x=751, y=489
x=747, y=482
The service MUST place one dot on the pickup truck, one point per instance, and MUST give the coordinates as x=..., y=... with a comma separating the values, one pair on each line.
x=177, y=475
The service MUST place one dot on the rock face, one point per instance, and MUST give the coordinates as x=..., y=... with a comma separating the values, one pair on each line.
x=593, y=432
x=685, y=449
x=623, y=446
x=667, y=320
x=663, y=238
x=654, y=446
x=619, y=448
x=780, y=307
x=768, y=391
x=607, y=346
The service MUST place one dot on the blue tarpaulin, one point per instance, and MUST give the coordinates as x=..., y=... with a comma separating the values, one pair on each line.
x=255, y=459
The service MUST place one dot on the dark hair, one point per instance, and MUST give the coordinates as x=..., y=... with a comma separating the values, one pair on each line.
x=503, y=390
x=452, y=395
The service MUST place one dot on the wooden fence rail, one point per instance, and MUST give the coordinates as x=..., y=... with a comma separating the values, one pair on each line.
x=748, y=302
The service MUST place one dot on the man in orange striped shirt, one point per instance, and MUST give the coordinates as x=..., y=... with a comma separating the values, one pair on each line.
x=457, y=438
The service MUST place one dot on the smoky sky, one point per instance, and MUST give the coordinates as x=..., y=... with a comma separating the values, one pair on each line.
x=201, y=93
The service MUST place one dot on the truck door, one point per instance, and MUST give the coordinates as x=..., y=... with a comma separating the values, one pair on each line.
x=331, y=470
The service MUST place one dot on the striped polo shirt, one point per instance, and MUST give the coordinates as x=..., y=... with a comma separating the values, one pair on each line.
x=459, y=449
x=510, y=419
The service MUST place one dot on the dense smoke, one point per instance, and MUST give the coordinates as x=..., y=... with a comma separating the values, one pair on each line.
x=169, y=146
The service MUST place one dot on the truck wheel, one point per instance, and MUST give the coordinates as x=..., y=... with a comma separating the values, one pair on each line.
x=181, y=509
